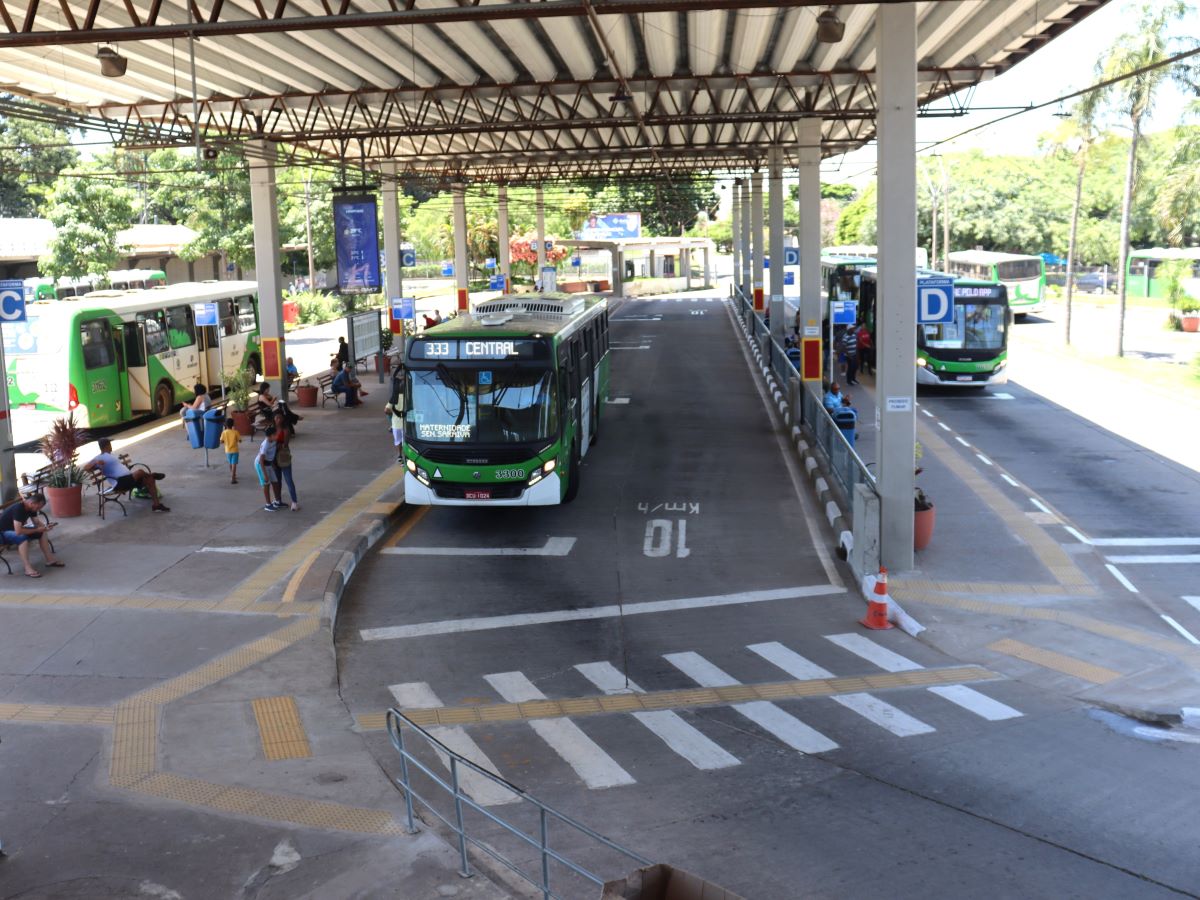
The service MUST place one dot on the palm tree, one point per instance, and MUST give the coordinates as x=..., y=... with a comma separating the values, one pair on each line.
x=1136, y=55
x=1177, y=203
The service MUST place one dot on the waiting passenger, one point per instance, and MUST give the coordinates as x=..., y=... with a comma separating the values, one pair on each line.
x=833, y=397
x=845, y=417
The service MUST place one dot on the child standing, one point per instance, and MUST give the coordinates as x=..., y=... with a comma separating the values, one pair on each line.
x=230, y=439
x=264, y=465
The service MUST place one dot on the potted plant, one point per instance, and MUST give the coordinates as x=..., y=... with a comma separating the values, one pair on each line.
x=237, y=390
x=924, y=513
x=1189, y=316
x=306, y=393
x=385, y=344
x=64, y=489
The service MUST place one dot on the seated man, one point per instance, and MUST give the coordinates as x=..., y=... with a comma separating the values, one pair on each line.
x=346, y=383
x=833, y=397
x=18, y=526
x=122, y=478
x=290, y=375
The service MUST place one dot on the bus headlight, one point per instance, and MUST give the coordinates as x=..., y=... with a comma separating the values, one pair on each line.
x=921, y=362
x=418, y=472
x=542, y=471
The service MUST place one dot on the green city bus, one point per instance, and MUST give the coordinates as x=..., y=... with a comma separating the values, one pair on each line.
x=1142, y=278
x=1023, y=276
x=504, y=402
x=118, y=280
x=111, y=356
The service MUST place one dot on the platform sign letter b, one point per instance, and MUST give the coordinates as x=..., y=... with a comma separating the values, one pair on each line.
x=935, y=300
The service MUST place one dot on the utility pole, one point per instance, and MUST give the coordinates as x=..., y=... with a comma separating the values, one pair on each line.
x=312, y=269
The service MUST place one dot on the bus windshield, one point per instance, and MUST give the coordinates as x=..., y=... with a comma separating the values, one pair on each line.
x=501, y=405
x=976, y=326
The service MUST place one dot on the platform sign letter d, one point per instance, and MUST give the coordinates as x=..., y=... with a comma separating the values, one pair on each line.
x=935, y=300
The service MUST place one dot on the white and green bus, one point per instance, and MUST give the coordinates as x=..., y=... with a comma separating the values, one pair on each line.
x=1023, y=276
x=504, y=402
x=1144, y=280
x=111, y=356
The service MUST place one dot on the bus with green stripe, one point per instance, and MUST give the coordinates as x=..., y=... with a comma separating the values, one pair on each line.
x=504, y=403
x=112, y=356
x=1143, y=278
x=1023, y=276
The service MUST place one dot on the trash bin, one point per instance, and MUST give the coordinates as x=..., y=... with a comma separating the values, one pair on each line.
x=195, y=428
x=214, y=424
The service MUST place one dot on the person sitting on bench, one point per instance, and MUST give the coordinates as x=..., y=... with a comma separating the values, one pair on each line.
x=18, y=526
x=346, y=383
x=122, y=478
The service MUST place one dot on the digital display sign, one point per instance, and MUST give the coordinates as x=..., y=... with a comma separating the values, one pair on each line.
x=978, y=291
x=470, y=349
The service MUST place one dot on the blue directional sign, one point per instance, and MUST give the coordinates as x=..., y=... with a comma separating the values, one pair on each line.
x=789, y=278
x=577, y=261
x=206, y=313
x=533, y=245
x=935, y=300
x=403, y=308
x=490, y=262
x=496, y=283
x=549, y=245
x=447, y=269
x=12, y=300
x=845, y=312
x=408, y=257
x=791, y=256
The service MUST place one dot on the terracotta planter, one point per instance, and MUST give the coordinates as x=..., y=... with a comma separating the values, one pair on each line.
x=387, y=364
x=306, y=395
x=1191, y=322
x=65, y=501
x=243, y=422
x=923, y=521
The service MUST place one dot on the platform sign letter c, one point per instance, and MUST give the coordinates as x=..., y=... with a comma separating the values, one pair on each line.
x=12, y=301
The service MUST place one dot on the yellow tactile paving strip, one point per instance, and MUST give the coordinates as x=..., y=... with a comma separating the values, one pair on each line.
x=56, y=715
x=170, y=604
x=1059, y=662
x=134, y=742
x=689, y=698
x=280, y=729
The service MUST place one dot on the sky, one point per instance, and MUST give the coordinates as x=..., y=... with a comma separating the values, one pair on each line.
x=1065, y=64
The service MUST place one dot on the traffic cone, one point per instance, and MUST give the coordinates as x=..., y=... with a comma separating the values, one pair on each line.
x=877, y=605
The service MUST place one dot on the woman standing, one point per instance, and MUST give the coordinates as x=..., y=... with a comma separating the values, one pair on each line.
x=283, y=457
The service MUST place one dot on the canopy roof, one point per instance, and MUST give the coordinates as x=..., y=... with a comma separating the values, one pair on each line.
x=505, y=90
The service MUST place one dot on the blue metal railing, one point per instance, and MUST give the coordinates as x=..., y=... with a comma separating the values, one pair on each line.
x=398, y=724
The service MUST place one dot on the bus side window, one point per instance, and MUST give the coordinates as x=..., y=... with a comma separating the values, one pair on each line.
x=180, y=330
x=228, y=318
x=96, y=339
x=134, y=356
x=246, y=317
x=156, y=333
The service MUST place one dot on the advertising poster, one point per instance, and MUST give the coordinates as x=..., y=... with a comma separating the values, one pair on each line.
x=612, y=226
x=356, y=240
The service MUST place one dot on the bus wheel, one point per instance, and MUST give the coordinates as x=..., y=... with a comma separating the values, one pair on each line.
x=164, y=400
x=255, y=365
x=573, y=478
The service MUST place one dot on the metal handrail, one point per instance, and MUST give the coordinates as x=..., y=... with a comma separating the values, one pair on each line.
x=397, y=723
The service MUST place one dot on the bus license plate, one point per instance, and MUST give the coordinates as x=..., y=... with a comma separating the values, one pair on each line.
x=964, y=378
x=479, y=495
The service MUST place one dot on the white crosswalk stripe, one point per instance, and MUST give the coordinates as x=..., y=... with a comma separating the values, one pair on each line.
x=418, y=695
x=580, y=752
x=690, y=743
x=869, y=707
x=873, y=652
x=980, y=704
x=766, y=715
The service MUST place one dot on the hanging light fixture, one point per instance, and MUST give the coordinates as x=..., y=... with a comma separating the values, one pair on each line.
x=829, y=27
x=112, y=63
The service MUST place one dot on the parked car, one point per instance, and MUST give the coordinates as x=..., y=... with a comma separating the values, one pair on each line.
x=1093, y=282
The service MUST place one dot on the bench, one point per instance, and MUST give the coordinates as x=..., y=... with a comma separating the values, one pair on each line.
x=325, y=383
x=109, y=493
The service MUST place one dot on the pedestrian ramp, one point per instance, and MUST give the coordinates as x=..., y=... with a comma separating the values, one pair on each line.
x=767, y=709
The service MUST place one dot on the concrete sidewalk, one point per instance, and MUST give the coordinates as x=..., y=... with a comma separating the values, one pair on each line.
x=169, y=701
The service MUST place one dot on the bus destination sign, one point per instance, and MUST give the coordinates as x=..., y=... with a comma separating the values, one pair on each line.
x=469, y=349
x=978, y=291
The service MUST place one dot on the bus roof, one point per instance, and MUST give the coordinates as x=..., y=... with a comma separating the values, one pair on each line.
x=836, y=260
x=150, y=298
x=509, y=314
x=986, y=257
x=1167, y=253
x=965, y=281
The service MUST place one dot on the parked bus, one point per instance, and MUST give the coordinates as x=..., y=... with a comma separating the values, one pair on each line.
x=970, y=351
x=1023, y=276
x=37, y=288
x=1142, y=274
x=870, y=251
x=114, y=355
x=132, y=279
x=504, y=402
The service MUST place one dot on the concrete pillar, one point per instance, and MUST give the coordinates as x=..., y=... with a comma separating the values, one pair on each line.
x=394, y=274
x=541, y=234
x=775, y=200
x=653, y=265
x=459, y=191
x=812, y=309
x=264, y=210
x=735, y=194
x=618, y=275
x=9, y=489
x=504, y=260
x=685, y=257
x=747, y=256
x=756, y=237
x=896, y=307
x=707, y=269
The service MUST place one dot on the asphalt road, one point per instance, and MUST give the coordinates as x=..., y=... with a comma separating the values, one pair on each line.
x=994, y=790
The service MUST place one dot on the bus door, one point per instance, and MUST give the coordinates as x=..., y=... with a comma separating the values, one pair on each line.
x=588, y=380
x=213, y=352
x=138, y=382
x=181, y=337
x=122, y=368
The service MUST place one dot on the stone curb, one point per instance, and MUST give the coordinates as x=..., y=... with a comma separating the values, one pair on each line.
x=343, y=569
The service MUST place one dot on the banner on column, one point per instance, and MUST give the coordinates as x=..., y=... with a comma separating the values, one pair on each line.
x=272, y=350
x=356, y=241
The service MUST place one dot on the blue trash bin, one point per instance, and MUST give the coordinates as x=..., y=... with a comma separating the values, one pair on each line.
x=214, y=424
x=195, y=432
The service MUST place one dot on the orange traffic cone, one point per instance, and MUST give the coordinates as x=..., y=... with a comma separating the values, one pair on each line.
x=877, y=605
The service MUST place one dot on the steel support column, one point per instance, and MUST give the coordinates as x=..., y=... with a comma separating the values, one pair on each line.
x=747, y=256
x=775, y=201
x=895, y=317
x=504, y=263
x=618, y=270
x=264, y=210
x=758, y=255
x=685, y=256
x=735, y=195
x=707, y=269
x=811, y=305
x=541, y=235
x=459, y=191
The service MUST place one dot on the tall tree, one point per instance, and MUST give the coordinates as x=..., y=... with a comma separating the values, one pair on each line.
x=1136, y=56
x=88, y=209
x=33, y=154
x=1177, y=200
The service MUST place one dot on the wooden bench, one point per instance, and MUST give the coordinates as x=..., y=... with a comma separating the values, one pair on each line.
x=325, y=383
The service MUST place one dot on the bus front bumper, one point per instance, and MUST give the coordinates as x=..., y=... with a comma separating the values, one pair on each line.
x=927, y=376
x=547, y=492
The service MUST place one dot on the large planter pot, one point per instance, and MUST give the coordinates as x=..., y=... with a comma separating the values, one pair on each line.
x=65, y=501
x=1191, y=322
x=387, y=363
x=306, y=395
x=243, y=422
x=923, y=521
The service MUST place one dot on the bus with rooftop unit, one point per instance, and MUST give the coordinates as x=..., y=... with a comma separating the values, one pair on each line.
x=1024, y=277
x=504, y=402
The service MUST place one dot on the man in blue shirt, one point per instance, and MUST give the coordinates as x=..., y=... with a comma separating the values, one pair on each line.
x=833, y=397
x=345, y=383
